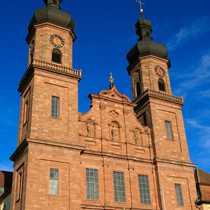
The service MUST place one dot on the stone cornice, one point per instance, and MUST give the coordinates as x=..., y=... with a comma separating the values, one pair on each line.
x=103, y=207
x=45, y=24
x=47, y=66
x=55, y=144
x=138, y=61
x=112, y=155
x=20, y=150
x=24, y=145
x=174, y=162
x=57, y=68
x=161, y=96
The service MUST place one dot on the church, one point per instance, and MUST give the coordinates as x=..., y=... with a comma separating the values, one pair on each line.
x=121, y=154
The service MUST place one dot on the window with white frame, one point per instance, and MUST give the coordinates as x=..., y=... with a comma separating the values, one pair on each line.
x=92, y=184
x=54, y=181
x=179, y=197
x=119, y=187
x=55, y=107
x=144, y=189
x=169, y=130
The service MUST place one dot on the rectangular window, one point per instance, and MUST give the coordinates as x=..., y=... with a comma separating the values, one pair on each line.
x=169, y=130
x=54, y=181
x=119, y=186
x=25, y=109
x=25, y=114
x=92, y=184
x=144, y=189
x=19, y=186
x=55, y=107
x=179, y=197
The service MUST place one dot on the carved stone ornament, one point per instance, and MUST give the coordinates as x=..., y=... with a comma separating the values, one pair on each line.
x=126, y=112
x=102, y=106
x=114, y=114
x=147, y=130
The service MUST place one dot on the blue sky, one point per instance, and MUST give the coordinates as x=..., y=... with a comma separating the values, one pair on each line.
x=105, y=33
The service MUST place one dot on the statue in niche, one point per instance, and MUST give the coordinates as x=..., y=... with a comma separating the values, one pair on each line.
x=115, y=131
x=90, y=127
x=137, y=136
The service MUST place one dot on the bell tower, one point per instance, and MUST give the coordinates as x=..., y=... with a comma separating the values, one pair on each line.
x=51, y=35
x=49, y=75
x=49, y=111
x=159, y=109
x=156, y=106
x=144, y=55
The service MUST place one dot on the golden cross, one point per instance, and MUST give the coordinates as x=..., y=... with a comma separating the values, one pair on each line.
x=140, y=4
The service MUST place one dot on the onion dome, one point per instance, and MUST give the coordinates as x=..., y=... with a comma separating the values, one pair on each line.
x=52, y=13
x=145, y=45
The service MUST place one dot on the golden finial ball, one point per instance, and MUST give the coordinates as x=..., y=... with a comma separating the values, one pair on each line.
x=141, y=11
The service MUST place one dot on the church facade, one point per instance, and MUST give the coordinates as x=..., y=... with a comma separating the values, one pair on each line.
x=121, y=154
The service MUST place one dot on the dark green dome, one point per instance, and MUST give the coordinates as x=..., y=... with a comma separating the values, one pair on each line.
x=52, y=13
x=145, y=45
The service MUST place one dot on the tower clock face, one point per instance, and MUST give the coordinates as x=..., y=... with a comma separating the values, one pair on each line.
x=57, y=41
x=160, y=71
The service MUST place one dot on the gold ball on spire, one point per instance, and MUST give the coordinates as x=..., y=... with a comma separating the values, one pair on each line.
x=141, y=11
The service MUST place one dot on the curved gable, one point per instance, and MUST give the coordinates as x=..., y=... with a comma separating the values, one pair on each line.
x=114, y=94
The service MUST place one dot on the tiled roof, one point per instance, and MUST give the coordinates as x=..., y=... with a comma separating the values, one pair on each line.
x=203, y=177
x=203, y=181
x=205, y=192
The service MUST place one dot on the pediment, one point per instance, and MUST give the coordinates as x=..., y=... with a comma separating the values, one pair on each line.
x=114, y=94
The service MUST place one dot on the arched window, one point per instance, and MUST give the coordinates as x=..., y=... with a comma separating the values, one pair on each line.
x=161, y=85
x=138, y=89
x=56, y=56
